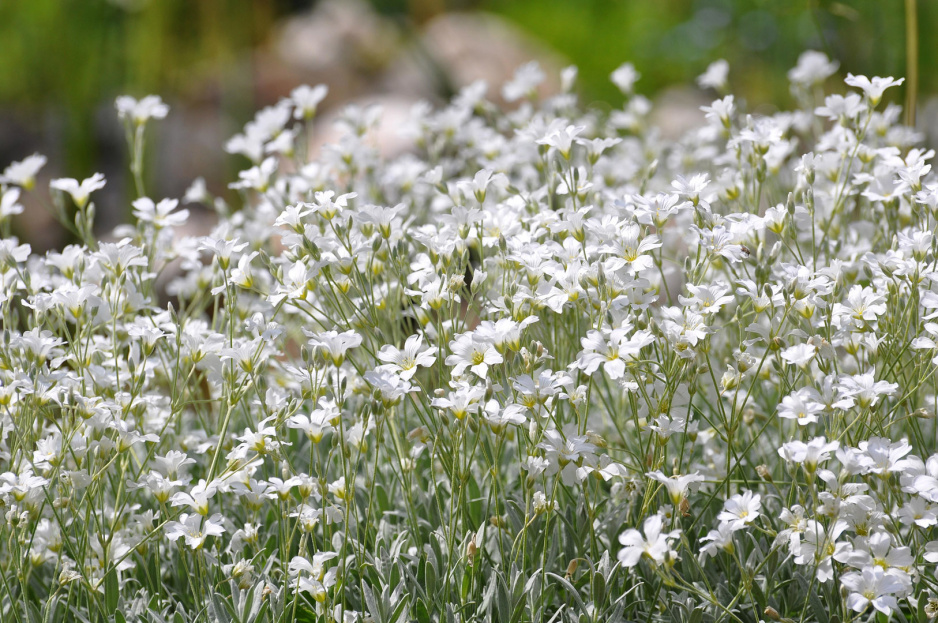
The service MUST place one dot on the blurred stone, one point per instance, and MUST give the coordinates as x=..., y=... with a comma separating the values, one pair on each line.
x=357, y=52
x=481, y=46
x=677, y=111
x=23, y=136
x=342, y=43
x=190, y=144
x=388, y=137
x=927, y=121
x=364, y=58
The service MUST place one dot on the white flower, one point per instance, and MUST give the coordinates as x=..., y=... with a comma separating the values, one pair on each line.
x=473, y=353
x=655, y=544
x=812, y=68
x=540, y=503
x=524, y=83
x=13, y=253
x=678, y=486
x=802, y=405
x=23, y=173
x=382, y=217
x=863, y=306
x=173, y=463
x=8, y=202
x=568, y=76
x=390, y=387
x=79, y=192
x=819, y=547
x=794, y=521
x=873, y=88
x=884, y=455
x=720, y=111
x=462, y=401
x=256, y=178
x=741, y=509
x=196, y=498
x=538, y=389
x=311, y=576
x=406, y=361
x=719, y=539
x=319, y=422
x=715, y=76
x=306, y=100
x=925, y=481
x=706, y=299
x=810, y=454
x=919, y=512
x=879, y=550
x=799, y=354
x=625, y=77
x=499, y=418
x=838, y=107
x=611, y=348
x=160, y=214
x=478, y=186
x=193, y=530
x=684, y=329
x=197, y=192
x=874, y=586
x=333, y=345
x=141, y=111
x=865, y=389
x=561, y=138
x=327, y=207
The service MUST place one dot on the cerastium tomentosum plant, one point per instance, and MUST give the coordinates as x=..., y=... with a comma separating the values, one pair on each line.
x=544, y=366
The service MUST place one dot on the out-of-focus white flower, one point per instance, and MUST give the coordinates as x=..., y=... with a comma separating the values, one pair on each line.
x=625, y=77
x=524, y=83
x=715, y=77
x=141, y=111
x=23, y=173
x=306, y=100
x=812, y=68
x=159, y=214
x=80, y=192
x=873, y=88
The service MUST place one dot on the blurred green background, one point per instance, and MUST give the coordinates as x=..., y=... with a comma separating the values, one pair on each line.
x=62, y=62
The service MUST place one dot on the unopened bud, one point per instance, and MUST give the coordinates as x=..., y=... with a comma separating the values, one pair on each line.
x=764, y=473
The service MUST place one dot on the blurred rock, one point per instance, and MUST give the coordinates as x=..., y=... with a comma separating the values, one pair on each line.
x=467, y=47
x=358, y=52
x=677, y=111
x=342, y=43
x=387, y=137
x=365, y=59
x=927, y=121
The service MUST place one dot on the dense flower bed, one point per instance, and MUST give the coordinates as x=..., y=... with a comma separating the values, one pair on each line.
x=545, y=366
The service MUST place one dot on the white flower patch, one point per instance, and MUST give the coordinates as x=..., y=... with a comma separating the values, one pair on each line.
x=545, y=365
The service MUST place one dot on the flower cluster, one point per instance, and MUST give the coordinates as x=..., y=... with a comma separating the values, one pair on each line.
x=542, y=365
